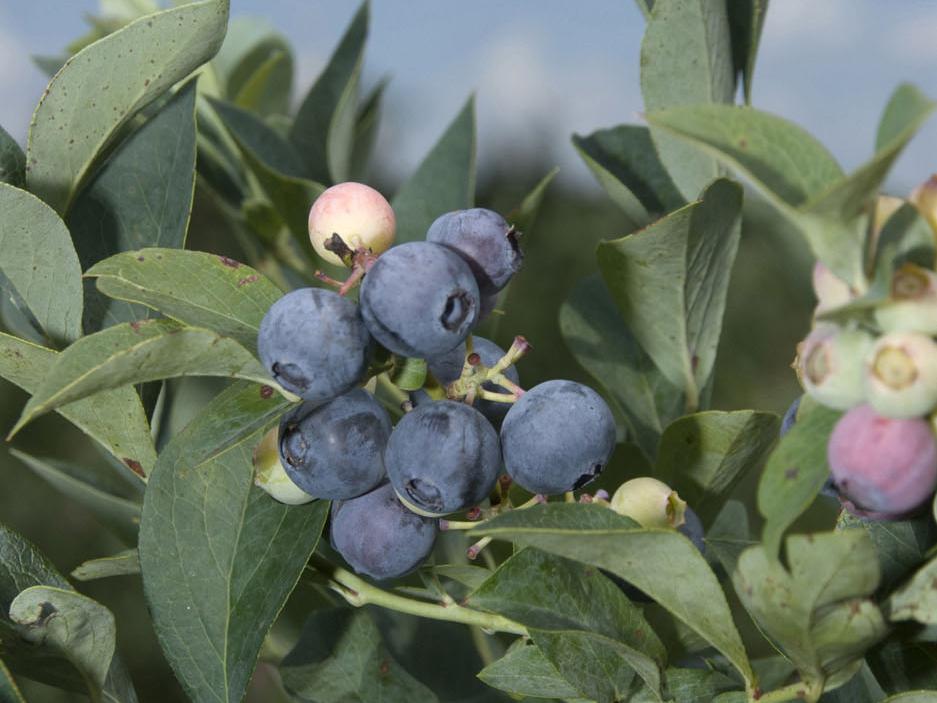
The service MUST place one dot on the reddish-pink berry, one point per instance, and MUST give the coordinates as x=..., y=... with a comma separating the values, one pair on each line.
x=360, y=215
x=883, y=465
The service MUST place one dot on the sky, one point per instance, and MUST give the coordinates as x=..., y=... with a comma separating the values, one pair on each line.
x=544, y=69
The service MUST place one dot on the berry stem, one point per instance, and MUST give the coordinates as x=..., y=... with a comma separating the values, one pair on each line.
x=796, y=691
x=476, y=548
x=358, y=592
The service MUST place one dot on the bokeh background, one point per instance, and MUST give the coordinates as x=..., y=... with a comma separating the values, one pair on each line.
x=540, y=71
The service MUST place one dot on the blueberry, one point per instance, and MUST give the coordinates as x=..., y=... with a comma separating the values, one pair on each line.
x=557, y=437
x=484, y=239
x=335, y=450
x=649, y=502
x=486, y=306
x=901, y=375
x=830, y=365
x=790, y=417
x=448, y=367
x=443, y=457
x=419, y=300
x=357, y=213
x=270, y=476
x=883, y=467
x=314, y=344
x=378, y=536
x=692, y=529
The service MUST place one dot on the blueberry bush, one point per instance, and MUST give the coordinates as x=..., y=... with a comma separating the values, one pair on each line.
x=375, y=505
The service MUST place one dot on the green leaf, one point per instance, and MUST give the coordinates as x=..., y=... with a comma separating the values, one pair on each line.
x=140, y=197
x=195, y=288
x=819, y=613
x=71, y=626
x=686, y=59
x=598, y=337
x=273, y=160
x=524, y=671
x=913, y=697
x=704, y=456
x=524, y=216
x=255, y=67
x=12, y=161
x=119, y=514
x=340, y=658
x=730, y=535
x=323, y=130
x=467, y=575
x=219, y=556
x=137, y=352
x=690, y=686
x=902, y=545
x=366, y=125
x=22, y=567
x=848, y=197
x=670, y=281
x=114, y=418
x=746, y=20
x=126, y=563
x=625, y=163
x=9, y=691
x=917, y=600
x=103, y=86
x=902, y=665
x=444, y=181
x=39, y=263
x=662, y=563
x=408, y=374
x=779, y=157
x=795, y=472
x=570, y=609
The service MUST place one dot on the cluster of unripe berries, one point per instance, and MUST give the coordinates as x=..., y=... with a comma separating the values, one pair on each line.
x=469, y=424
x=881, y=370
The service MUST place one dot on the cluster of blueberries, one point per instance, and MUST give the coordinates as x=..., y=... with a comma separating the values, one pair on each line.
x=468, y=424
x=882, y=371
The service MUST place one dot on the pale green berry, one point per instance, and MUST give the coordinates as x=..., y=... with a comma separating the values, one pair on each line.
x=830, y=365
x=831, y=291
x=912, y=304
x=901, y=375
x=360, y=215
x=649, y=502
x=270, y=475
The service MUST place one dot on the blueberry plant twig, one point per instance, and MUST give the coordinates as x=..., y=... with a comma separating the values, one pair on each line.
x=474, y=373
x=358, y=592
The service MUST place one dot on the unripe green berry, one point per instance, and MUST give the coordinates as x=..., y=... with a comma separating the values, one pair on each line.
x=912, y=304
x=358, y=214
x=270, y=475
x=831, y=291
x=901, y=375
x=649, y=502
x=830, y=365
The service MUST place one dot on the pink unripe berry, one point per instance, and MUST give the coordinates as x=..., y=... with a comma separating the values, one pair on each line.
x=360, y=215
x=924, y=198
x=831, y=291
x=830, y=365
x=901, y=375
x=912, y=304
x=881, y=465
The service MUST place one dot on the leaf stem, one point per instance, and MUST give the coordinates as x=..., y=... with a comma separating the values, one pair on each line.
x=793, y=692
x=359, y=592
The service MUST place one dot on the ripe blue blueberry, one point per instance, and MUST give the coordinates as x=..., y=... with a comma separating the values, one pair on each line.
x=448, y=367
x=485, y=240
x=378, y=536
x=419, y=300
x=692, y=529
x=335, y=450
x=314, y=344
x=443, y=457
x=557, y=437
